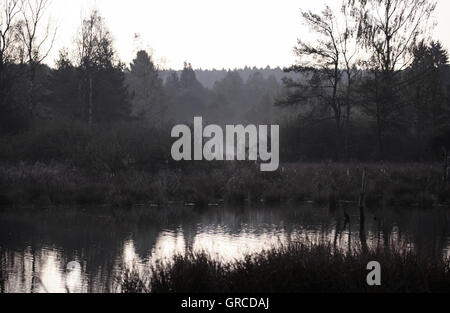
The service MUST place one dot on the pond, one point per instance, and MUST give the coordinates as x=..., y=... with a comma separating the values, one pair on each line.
x=86, y=250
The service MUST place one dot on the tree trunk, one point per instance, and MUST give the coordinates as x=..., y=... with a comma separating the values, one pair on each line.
x=362, y=216
x=379, y=115
x=91, y=104
x=347, y=116
x=31, y=87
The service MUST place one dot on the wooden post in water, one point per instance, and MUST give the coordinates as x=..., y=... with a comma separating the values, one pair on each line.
x=362, y=197
x=362, y=215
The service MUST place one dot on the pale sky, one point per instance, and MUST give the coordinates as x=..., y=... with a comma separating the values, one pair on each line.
x=207, y=33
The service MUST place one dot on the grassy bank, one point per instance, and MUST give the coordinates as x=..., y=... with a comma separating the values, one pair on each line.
x=201, y=184
x=295, y=269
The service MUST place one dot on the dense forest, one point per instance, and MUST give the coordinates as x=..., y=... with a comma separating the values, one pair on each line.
x=355, y=94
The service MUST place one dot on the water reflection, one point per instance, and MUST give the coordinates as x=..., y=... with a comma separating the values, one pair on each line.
x=78, y=252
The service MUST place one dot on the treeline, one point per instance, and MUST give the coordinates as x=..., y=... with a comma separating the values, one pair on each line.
x=92, y=106
x=366, y=88
x=90, y=84
x=209, y=77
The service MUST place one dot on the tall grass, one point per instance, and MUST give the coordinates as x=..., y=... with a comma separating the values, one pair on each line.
x=297, y=268
x=204, y=183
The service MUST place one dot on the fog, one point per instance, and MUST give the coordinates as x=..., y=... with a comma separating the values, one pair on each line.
x=209, y=34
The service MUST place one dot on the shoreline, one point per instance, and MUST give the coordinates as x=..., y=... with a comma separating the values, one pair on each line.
x=206, y=185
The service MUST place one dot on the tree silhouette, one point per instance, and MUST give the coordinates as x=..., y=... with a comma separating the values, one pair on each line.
x=146, y=88
x=389, y=31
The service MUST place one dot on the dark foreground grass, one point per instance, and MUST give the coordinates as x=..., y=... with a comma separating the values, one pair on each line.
x=63, y=184
x=295, y=269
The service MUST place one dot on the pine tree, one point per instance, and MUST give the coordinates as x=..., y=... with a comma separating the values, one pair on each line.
x=146, y=88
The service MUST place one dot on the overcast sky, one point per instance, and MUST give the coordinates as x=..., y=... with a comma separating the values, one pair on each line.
x=207, y=33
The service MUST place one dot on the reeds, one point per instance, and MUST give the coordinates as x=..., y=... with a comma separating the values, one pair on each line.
x=297, y=268
x=205, y=183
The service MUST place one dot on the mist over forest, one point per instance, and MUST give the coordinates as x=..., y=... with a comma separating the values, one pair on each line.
x=351, y=102
x=87, y=170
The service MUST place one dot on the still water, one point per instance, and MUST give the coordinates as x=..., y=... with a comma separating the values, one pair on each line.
x=86, y=250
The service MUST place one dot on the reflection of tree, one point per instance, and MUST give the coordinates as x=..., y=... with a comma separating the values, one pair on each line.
x=189, y=237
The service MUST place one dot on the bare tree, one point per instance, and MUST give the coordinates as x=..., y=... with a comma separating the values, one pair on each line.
x=329, y=63
x=351, y=59
x=10, y=9
x=37, y=34
x=94, y=50
x=389, y=30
